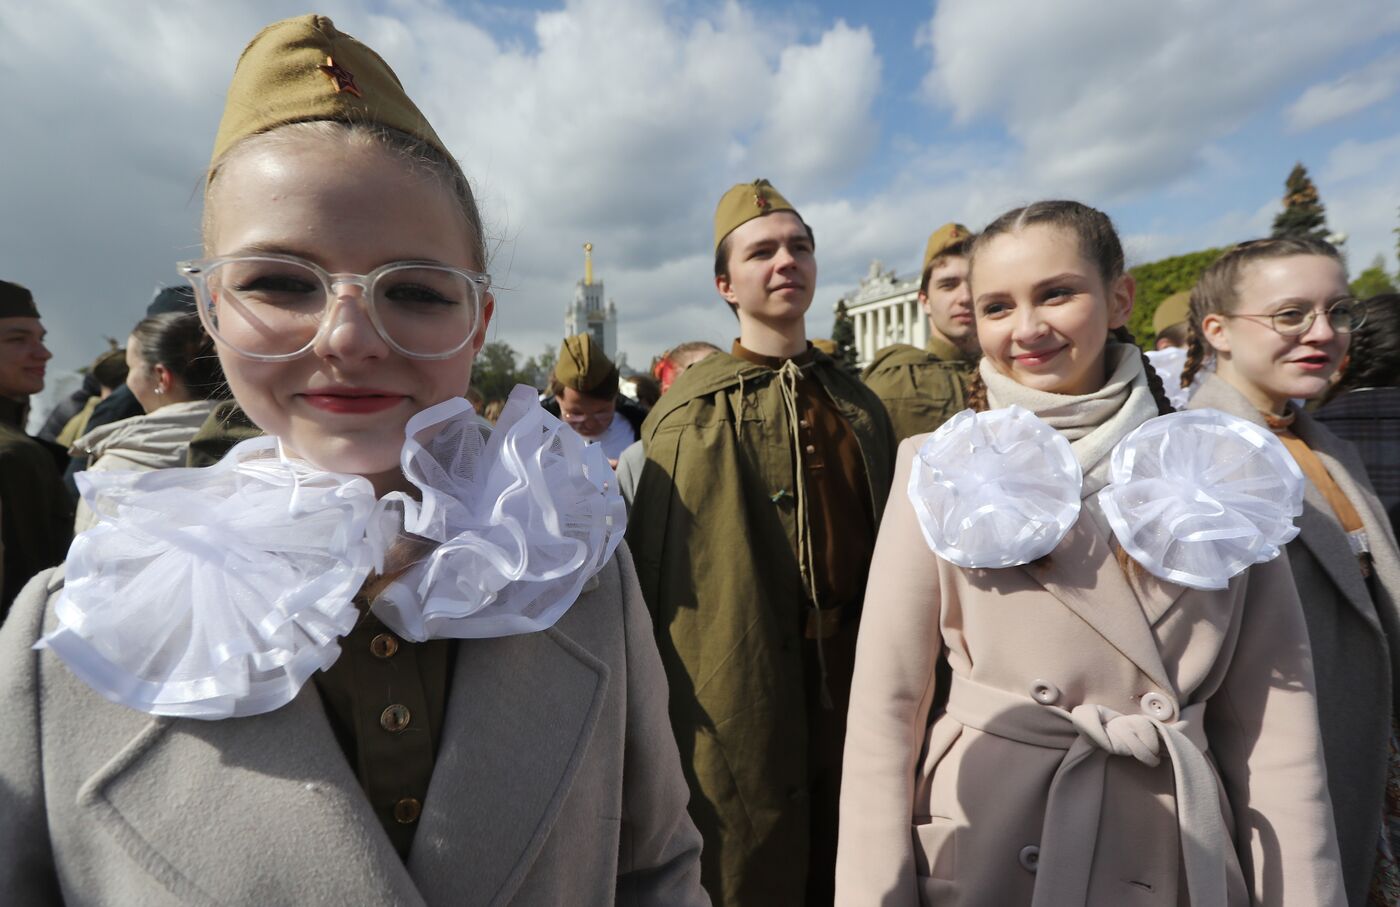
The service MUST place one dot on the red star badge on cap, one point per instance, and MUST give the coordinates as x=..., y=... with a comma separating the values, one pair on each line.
x=759, y=200
x=342, y=78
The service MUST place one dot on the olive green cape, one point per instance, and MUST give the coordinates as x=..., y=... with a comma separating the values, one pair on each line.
x=920, y=389
x=36, y=514
x=713, y=530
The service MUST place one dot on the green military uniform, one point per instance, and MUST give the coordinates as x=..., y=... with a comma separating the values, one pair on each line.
x=36, y=514
x=921, y=389
x=226, y=426
x=733, y=532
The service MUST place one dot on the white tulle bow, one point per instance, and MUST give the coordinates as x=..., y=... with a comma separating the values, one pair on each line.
x=1197, y=497
x=995, y=489
x=523, y=516
x=1194, y=497
x=215, y=593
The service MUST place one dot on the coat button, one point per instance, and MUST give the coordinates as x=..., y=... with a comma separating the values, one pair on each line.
x=1155, y=705
x=1029, y=858
x=383, y=646
x=1045, y=692
x=407, y=811
x=395, y=718
x=811, y=448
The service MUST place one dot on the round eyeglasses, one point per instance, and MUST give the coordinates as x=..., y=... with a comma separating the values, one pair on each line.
x=1343, y=316
x=275, y=307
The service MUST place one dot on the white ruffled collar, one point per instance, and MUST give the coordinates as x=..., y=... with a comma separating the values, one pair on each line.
x=1194, y=497
x=214, y=593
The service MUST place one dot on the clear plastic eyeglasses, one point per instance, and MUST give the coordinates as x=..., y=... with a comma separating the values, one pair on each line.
x=274, y=307
x=1344, y=316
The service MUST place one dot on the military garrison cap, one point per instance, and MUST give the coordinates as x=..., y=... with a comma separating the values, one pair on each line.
x=1175, y=309
x=582, y=364
x=304, y=69
x=16, y=301
x=942, y=239
x=744, y=202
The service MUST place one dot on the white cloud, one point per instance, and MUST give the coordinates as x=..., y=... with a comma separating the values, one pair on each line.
x=1360, y=185
x=1111, y=99
x=1341, y=97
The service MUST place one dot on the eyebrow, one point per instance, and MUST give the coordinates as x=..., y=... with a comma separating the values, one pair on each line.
x=23, y=332
x=275, y=248
x=1067, y=276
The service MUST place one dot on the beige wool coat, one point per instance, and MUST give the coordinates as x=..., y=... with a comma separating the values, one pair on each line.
x=1354, y=627
x=556, y=782
x=947, y=794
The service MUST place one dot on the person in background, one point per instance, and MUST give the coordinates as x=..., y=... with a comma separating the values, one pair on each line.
x=766, y=471
x=1364, y=405
x=922, y=389
x=492, y=411
x=174, y=374
x=583, y=391
x=648, y=391
x=108, y=372
x=1275, y=317
x=36, y=518
x=1169, y=324
x=667, y=369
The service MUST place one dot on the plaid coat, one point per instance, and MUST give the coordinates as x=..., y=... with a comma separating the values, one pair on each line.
x=1370, y=419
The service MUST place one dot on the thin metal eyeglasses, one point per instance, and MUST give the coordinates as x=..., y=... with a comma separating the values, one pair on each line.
x=1344, y=316
x=274, y=307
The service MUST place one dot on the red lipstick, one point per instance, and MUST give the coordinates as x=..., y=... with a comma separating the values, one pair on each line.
x=352, y=399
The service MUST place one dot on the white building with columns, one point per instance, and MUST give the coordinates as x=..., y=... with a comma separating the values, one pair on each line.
x=885, y=309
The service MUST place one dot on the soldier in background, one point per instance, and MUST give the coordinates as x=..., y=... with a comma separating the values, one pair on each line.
x=922, y=389
x=36, y=518
x=753, y=527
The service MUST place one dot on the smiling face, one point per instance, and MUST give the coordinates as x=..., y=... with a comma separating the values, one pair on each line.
x=1267, y=367
x=23, y=357
x=344, y=404
x=1043, y=312
x=772, y=269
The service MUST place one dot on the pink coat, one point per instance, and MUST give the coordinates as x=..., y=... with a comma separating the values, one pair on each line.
x=947, y=804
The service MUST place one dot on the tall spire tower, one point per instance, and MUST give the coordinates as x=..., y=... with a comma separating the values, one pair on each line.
x=588, y=313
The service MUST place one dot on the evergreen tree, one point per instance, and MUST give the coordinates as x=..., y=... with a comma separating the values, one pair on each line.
x=1373, y=281
x=1303, y=213
x=843, y=334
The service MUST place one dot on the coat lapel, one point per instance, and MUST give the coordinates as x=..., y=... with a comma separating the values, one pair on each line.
x=521, y=714
x=1103, y=600
x=256, y=810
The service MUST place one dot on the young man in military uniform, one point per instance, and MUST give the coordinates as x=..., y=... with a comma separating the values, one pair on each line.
x=36, y=519
x=922, y=389
x=753, y=526
x=584, y=388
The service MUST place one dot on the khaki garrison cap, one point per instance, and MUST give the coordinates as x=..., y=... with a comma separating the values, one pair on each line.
x=16, y=301
x=303, y=69
x=744, y=202
x=941, y=240
x=582, y=364
x=1175, y=309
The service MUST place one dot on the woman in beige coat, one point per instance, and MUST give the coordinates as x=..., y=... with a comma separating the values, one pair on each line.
x=384, y=655
x=1275, y=317
x=1103, y=736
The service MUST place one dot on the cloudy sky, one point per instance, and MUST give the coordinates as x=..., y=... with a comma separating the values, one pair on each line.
x=620, y=122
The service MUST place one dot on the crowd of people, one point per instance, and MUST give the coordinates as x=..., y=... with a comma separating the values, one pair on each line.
x=1028, y=616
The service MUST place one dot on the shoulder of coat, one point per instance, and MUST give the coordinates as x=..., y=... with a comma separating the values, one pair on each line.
x=897, y=355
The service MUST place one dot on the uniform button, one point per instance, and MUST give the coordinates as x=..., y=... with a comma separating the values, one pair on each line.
x=1155, y=705
x=811, y=448
x=1029, y=858
x=1045, y=692
x=395, y=718
x=383, y=645
x=407, y=811
x=803, y=423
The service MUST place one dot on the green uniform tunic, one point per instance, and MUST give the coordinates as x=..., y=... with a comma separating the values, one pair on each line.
x=226, y=426
x=36, y=515
x=762, y=489
x=921, y=389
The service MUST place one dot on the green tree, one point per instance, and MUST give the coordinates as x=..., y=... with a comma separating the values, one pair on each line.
x=1373, y=281
x=537, y=369
x=1159, y=279
x=495, y=371
x=843, y=334
x=1303, y=213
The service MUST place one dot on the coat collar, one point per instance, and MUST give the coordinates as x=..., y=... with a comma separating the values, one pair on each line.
x=1106, y=601
x=279, y=784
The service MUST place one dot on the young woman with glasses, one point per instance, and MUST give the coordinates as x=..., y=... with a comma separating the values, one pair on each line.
x=1276, y=318
x=383, y=655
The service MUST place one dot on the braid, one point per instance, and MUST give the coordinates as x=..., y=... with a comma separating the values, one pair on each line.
x=1195, y=338
x=1154, y=380
x=977, y=392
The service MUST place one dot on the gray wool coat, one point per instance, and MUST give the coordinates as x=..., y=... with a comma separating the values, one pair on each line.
x=556, y=782
x=1354, y=629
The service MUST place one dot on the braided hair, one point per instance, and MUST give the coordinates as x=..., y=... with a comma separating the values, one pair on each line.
x=1217, y=292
